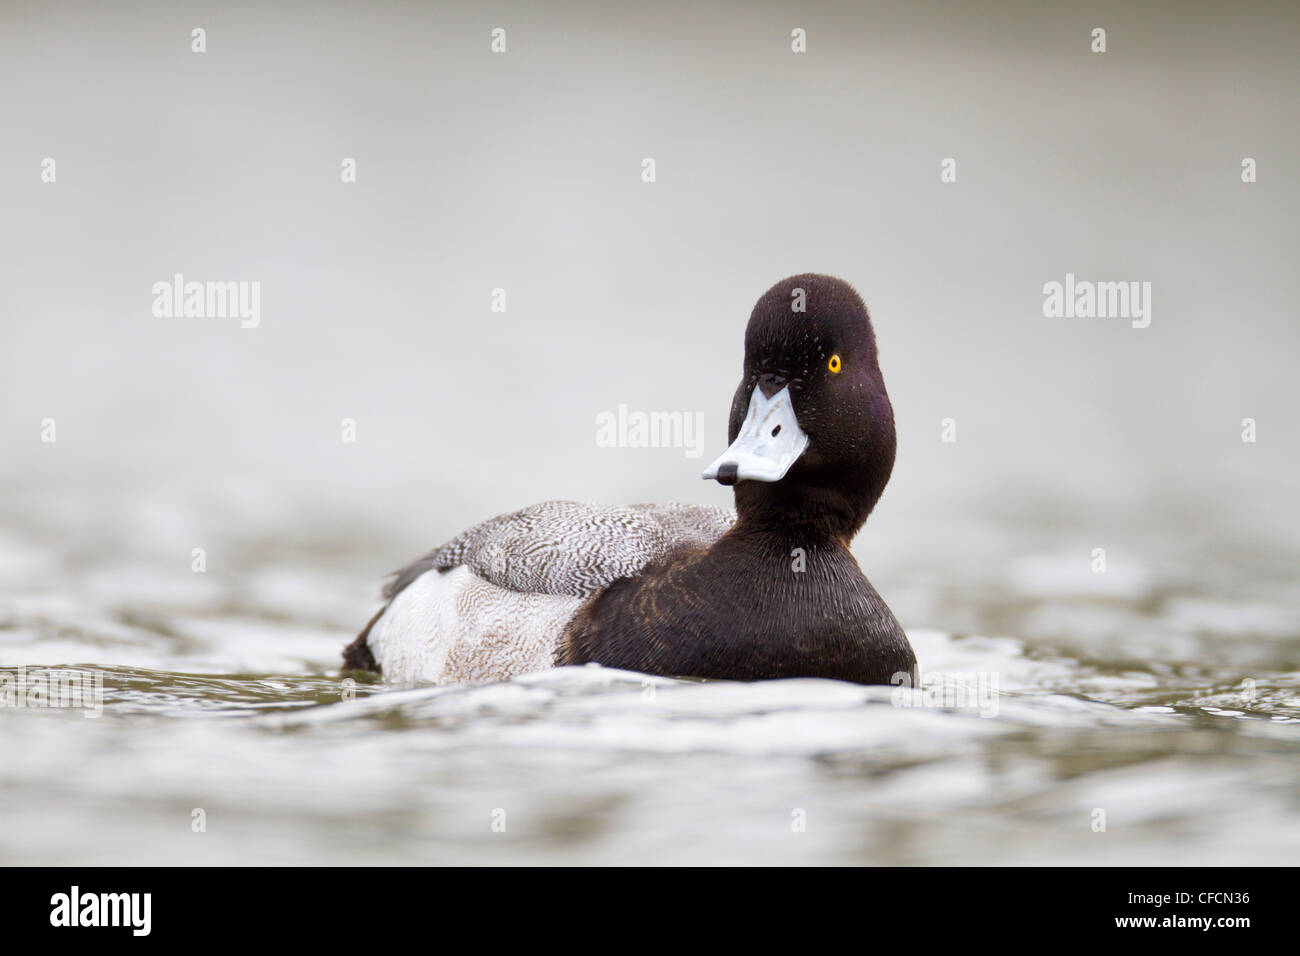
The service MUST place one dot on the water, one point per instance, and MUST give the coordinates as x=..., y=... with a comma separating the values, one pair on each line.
x=1175, y=713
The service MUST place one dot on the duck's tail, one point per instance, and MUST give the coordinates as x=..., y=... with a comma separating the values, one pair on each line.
x=357, y=655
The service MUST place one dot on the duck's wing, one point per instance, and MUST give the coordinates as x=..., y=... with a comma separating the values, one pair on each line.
x=570, y=547
x=494, y=601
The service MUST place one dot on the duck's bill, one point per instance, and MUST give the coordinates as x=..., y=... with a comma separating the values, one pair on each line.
x=770, y=441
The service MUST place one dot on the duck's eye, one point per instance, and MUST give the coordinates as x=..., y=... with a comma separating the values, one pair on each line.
x=834, y=365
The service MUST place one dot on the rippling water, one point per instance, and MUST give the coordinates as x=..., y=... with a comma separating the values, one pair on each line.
x=1169, y=707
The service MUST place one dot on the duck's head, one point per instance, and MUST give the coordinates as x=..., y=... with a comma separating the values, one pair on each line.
x=811, y=430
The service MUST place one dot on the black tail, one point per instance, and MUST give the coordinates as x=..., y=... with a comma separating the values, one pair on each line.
x=357, y=656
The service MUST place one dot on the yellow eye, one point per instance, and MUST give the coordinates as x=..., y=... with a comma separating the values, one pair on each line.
x=834, y=365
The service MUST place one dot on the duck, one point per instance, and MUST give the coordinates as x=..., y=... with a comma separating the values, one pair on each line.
x=765, y=590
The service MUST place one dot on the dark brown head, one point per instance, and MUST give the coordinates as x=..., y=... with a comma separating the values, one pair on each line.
x=811, y=430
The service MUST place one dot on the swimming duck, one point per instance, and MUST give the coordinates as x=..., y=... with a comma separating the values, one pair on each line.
x=768, y=591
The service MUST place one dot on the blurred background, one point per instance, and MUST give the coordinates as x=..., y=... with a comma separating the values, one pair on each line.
x=522, y=171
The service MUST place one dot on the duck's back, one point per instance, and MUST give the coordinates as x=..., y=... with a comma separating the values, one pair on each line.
x=494, y=601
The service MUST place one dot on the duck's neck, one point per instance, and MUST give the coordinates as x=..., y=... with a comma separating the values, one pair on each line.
x=800, y=512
